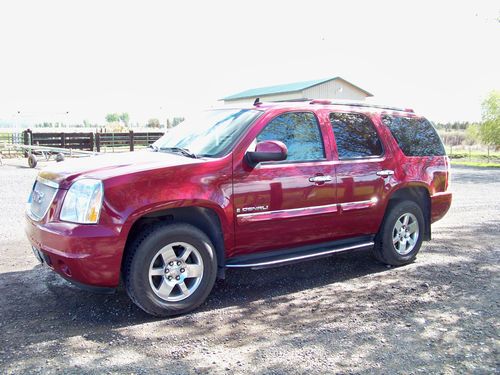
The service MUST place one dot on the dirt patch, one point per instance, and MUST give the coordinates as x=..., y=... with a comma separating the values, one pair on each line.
x=344, y=314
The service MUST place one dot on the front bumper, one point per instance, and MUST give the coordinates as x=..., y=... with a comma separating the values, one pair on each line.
x=85, y=254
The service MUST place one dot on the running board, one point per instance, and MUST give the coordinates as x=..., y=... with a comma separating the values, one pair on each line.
x=283, y=258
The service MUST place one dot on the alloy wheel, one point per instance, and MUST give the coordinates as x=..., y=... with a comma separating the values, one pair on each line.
x=176, y=271
x=405, y=233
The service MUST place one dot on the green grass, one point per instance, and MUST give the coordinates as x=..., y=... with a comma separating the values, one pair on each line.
x=459, y=154
x=479, y=164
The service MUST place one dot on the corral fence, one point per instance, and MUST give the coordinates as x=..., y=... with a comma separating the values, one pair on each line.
x=76, y=141
x=11, y=138
x=124, y=140
x=91, y=141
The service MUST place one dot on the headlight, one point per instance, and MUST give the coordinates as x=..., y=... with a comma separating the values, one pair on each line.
x=83, y=202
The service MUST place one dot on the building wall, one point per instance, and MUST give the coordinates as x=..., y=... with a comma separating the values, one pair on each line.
x=336, y=89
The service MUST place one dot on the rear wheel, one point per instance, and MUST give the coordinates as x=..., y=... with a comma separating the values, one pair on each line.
x=170, y=269
x=400, y=236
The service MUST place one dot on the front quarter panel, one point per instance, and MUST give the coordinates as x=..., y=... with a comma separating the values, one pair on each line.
x=207, y=183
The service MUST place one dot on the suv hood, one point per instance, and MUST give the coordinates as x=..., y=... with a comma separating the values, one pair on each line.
x=110, y=165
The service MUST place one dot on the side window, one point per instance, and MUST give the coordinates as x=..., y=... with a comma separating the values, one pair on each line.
x=355, y=136
x=300, y=132
x=415, y=136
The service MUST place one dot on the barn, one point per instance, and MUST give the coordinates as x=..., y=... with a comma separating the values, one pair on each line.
x=329, y=88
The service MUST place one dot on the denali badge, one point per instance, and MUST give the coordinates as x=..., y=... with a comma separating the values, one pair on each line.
x=251, y=209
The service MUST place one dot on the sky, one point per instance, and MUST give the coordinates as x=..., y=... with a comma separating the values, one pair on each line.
x=71, y=61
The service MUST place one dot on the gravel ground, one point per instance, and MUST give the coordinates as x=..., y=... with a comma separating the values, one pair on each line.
x=346, y=314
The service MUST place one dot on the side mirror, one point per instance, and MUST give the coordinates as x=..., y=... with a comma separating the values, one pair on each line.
x=267, y=151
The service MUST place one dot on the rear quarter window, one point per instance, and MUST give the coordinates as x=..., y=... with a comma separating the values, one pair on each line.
x=415, y=136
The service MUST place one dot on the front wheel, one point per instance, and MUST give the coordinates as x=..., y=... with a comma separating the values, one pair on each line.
x=170, y=269
x=400, y=236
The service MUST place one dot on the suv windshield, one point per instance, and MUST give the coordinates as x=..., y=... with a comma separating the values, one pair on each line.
x=210, y=133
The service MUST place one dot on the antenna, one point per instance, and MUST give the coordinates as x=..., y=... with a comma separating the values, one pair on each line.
x=257, y=101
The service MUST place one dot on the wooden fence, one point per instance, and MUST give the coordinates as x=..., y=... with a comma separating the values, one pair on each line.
x=76, y=141
x=91, y=141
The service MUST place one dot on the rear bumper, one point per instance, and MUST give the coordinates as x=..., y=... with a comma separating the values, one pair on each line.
x=88, y=255
x=440, y=204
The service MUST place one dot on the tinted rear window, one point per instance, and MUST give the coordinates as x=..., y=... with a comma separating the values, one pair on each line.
x=415, y=136
x=355, y=136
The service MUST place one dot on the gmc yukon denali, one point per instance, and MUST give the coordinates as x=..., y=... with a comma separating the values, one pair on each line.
x=256, y=186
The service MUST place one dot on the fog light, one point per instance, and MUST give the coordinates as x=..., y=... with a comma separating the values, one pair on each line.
x=64, y=268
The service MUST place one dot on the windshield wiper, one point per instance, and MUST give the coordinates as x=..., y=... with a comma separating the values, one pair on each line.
x=179, y=150
x=155, y=148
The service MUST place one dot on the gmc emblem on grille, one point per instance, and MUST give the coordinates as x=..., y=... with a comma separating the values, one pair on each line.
x=37, y=196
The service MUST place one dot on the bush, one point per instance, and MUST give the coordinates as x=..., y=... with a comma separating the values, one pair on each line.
x=454, y=138
x=458, y=155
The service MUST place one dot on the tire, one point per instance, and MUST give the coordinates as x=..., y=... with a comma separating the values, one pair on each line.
x=32, y=162
x=59, y=157
x=159, y=280
x=398, y=243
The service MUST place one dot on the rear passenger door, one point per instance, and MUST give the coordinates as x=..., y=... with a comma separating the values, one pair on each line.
x=362, y=171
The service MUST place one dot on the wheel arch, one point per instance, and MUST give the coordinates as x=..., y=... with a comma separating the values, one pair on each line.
x=418, y=193
x=204, y=218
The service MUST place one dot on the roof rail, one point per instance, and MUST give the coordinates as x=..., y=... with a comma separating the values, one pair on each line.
x=358, y=104
x=291, y=100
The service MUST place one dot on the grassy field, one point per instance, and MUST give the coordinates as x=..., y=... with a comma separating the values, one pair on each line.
x=473, y=156
x=475, y=164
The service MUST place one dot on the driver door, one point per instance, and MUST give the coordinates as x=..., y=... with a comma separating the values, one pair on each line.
x=287, y=203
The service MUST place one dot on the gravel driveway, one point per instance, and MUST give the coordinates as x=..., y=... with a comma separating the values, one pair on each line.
x=345, y=314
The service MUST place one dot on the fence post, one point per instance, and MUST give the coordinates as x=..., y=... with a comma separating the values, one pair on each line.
x=131, y=139
x=91, y=142
x=98, y=142
x=27, y=137
x=63, y=140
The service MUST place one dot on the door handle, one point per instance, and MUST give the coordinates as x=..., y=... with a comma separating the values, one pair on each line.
x=385, y=173
x=320, y=179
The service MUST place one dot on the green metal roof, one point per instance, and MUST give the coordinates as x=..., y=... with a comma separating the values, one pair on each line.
x=278, y=89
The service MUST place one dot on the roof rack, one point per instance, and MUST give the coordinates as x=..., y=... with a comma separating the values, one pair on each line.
x=337, y=102
x=358, y=104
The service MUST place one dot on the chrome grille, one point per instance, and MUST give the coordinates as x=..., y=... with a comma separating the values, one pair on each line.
x=41, y=198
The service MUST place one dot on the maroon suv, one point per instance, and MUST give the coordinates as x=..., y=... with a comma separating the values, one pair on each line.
x=259, y=186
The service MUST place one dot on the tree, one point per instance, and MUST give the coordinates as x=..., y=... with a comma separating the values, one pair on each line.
x=177, y=120
x=112, y=117
x=153, y=123
x=169, y=124
x=489, y=131
x=124, y=117
x=472, y=134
